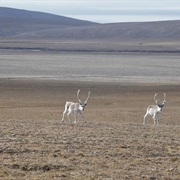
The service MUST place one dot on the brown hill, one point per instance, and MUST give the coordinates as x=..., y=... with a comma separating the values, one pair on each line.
x=16, y=21
x=143, y=30
x=28, y=24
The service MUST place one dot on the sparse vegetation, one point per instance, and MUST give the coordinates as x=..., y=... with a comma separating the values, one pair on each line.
x=33, y=144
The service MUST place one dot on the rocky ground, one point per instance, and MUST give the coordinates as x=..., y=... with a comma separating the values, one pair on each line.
x=113, y=145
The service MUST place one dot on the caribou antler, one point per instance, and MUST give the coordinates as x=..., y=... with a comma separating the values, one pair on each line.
x=78, y=96
x=164, y=101
x=156, y=101
x=89, y=94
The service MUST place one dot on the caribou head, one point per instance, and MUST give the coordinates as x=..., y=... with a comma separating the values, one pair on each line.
x=83, y=104
x=159, y=103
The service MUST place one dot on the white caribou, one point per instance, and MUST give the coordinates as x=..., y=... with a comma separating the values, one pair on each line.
x=75, y=108
x=155, y=110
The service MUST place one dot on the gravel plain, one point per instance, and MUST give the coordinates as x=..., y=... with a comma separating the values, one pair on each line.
x=34, y=87
x=107, y=67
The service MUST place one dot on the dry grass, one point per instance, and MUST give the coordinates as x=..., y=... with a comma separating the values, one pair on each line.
x=114, y=144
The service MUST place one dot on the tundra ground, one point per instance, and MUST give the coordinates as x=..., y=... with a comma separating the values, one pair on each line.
x=113, y=145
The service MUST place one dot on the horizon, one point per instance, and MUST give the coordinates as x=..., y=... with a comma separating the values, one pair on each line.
x=103, y=11
x=80, y=18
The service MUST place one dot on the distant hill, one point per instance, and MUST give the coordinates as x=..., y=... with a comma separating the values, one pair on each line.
x=16, y=23
x=144, y=30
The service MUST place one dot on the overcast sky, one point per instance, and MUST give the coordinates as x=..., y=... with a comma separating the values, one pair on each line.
x=103, y=11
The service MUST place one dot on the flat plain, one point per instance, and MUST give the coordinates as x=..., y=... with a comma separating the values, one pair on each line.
x=95, y=67
x=34, y=87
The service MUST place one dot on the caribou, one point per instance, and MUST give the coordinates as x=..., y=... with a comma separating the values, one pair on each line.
x=71, y=107
x=155, y=110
